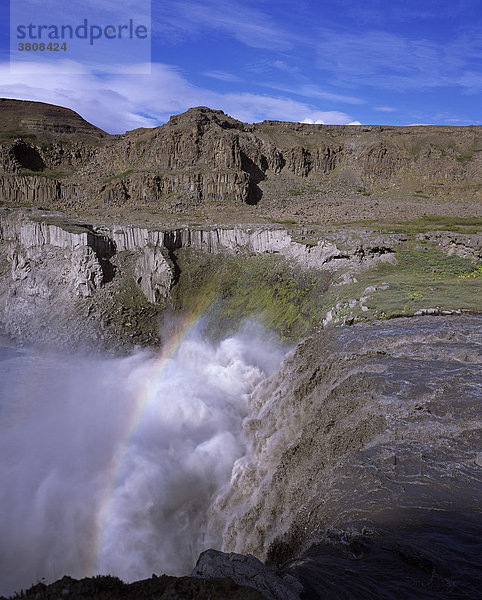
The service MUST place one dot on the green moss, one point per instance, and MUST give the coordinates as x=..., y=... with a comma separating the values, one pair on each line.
x=119, y=176
x=420, y=280
x=293, y=302
x=48, y=173
x=237, y=287
x=426, y=223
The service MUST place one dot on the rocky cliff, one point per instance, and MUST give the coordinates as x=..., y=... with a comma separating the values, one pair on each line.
x=107, y=285
x=50, y=260
x=204, y=157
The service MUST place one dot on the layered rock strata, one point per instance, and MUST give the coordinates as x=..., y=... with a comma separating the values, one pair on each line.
x=204, y=156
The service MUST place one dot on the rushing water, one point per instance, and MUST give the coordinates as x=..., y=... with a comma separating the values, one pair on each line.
x=109, y=465
x=356, y=468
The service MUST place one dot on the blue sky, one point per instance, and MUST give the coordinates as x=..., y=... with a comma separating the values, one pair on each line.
x=370, y=61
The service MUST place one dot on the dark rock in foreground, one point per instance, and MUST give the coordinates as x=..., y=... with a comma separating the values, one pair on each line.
x=161, y=588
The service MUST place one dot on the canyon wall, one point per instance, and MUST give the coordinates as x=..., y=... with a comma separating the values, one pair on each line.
x=57, y=271
x=204, y=156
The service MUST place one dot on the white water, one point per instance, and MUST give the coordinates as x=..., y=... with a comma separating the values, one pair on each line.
x=86, y=487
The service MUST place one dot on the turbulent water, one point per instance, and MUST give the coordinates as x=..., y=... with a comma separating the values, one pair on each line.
x=362, y=475
x=355, y=467
x=109, y=465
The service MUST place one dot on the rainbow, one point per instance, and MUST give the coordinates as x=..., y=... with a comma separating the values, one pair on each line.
x=139, y=406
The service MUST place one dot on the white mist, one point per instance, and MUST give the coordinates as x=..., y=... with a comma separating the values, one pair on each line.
x=111, y=465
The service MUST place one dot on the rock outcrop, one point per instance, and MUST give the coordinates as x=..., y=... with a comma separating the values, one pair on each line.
x=461, y=244
x=91, y=274
x=247, y=571
x=204, y=156
x=50, y=259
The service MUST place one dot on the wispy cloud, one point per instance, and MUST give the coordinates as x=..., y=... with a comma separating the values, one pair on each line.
x=283, y=66
x=120, y=102
x=250, y=26
x=222, y=76
x=385, y=109
x=387, y=60
x=93, y=10
x=311, y=91
x=381, y=12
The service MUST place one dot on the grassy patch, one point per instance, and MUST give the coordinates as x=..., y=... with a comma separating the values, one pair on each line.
x=228, y=289
x=286, y=222
x=426, y=223
x=8, y=135
x=236, y=287
x=421, y=279
x=48, y=173
x=118, y=176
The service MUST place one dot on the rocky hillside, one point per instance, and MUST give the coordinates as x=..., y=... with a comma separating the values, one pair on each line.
x=44, y=122
x=110, y=284
x=204, y=159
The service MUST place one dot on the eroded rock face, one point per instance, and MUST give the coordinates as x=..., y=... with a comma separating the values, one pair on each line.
x=154, y=274
x=48, y=255
x=246, y=571
x=86, y=272
x=205, y=156
x=318, y=254
x=464, y=245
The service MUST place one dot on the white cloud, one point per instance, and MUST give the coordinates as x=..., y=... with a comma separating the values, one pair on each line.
x=222, y=76
x=118, y=102
x=354, y=123
x=387, y=60
x=282, y=66
x=387, y=109
x=248, y=25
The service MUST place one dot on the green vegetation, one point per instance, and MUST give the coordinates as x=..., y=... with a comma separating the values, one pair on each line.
x=118, y=176
x=236, y=287
x=8, y=135
x=48, y=173
x=426, y=223
x=227, y=289
x=421, y=279
x=420, y=194
x=468, y=155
